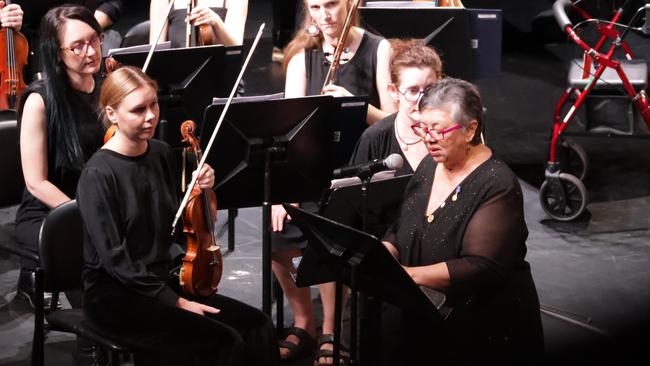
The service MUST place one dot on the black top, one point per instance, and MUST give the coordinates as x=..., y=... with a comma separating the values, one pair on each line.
x=480, y=232
x=128, y=205
x=91, y=134
x=178, y=28
x=358, y=75
x=377, y=142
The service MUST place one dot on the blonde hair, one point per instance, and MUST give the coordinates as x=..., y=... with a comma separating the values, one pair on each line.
x=118, y=85
x=303, y=41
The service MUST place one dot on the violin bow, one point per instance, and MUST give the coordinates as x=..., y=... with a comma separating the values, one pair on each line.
x=340, y=45
x=154, y=44
x=206, y=151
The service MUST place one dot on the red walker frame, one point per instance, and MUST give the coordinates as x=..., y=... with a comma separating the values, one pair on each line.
x=563, y=196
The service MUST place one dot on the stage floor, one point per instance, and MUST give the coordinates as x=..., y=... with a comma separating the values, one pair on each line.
x=592, y=274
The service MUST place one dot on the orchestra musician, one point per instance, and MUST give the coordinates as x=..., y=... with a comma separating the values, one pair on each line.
x=226, y=18
x=59, y=127
x=364, y=70
x=127, y=198
x=461, y=230
x=414, y=67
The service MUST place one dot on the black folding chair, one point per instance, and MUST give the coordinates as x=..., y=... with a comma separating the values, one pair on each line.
x=59, y=270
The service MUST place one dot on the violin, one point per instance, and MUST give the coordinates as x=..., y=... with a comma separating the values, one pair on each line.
x=14, y=46
x=202, y=264
x=201, y=37
x=340, y=45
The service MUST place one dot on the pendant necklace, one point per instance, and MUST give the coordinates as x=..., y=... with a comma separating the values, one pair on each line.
x=406, y=143
x=454, y=198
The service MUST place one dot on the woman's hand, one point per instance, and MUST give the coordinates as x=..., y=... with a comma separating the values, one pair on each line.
x=336, y=91
x=11, y=16
x=278, y=216
x=202, y=15
x=196, y=307
x=206, y=177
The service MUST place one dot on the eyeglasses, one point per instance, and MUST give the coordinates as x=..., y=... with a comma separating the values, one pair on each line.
x=421, y=130
x=81, y=48
x=412, y=95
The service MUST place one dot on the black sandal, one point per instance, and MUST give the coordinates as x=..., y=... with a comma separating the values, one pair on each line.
x=328, y=353
x=304, y=347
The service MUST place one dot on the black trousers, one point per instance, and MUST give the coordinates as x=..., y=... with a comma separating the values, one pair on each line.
x=166, y=335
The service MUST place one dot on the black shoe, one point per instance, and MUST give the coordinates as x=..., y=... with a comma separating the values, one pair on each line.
x=90, y=354
x=27, y=289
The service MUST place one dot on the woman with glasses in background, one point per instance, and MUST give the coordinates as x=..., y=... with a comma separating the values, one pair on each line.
x=461, y=231
x=59, y=125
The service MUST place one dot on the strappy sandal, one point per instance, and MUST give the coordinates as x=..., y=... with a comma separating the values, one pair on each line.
x=304, y=347
x=328, y=353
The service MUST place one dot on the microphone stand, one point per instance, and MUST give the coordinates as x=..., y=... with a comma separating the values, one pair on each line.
x=358, y=304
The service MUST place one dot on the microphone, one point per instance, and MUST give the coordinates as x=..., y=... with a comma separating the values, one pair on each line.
x=393, y=161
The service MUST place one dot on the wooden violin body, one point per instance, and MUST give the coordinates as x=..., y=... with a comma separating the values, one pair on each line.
x=202, y=265
x=203, y=36
x=14, y=47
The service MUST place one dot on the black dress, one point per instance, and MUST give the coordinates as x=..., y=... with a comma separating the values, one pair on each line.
x=377, y=142
x=32, y=212
x=358, y=75
x=127, y=205
x=480, y=232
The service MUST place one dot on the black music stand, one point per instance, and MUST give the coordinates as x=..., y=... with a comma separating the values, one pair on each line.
x=286, y=139
x=369, y=203
x=342, y=250
x=348, y=125
x=188, y=79
x=446, y=29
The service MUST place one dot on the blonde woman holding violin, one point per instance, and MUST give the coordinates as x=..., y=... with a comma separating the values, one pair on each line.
x=127, y=198
x=226, y=19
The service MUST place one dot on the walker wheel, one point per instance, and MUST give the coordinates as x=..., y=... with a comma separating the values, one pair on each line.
x=563, y=198
x=573, y=159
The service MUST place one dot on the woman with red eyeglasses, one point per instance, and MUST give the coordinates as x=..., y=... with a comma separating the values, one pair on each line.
x=59, y=125
x=461, y=231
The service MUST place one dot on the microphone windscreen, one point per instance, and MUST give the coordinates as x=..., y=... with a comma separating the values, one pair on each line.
x=394, y=161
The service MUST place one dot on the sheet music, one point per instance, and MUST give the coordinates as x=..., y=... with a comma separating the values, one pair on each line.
x=401, y=4
x=139, y=48
x=344, y=182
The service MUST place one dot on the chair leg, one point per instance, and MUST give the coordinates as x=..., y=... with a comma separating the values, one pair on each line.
x=38, y=342
x=232, y=214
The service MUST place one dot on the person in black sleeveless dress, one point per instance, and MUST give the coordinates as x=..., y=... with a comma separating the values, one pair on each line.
x=364, y=71
x=227, y=18
x=461, y=231
x=59, y=127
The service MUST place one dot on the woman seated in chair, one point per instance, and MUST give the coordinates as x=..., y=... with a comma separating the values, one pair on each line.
x=226, y=19
x=363, y=71
x=59, y=125
x=127, y=198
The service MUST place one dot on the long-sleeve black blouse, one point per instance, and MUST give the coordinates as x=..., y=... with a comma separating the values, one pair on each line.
x=480, y=233
x=127, y=205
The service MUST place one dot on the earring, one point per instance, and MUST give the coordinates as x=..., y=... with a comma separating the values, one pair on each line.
x=312, y=30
